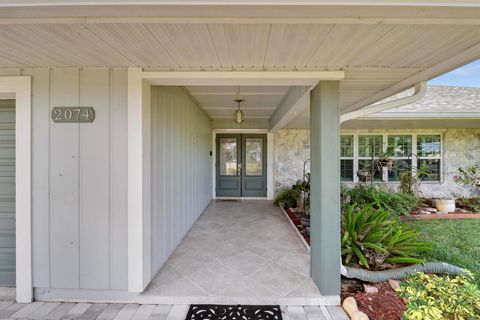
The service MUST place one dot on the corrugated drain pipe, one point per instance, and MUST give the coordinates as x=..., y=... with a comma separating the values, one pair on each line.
x=400, y=273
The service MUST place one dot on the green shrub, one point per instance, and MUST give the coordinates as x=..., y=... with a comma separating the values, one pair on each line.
x=287, y=197
x=472, y=204
x=431, y=297
x=396, y=203
x=469, y=176
x=372, y=236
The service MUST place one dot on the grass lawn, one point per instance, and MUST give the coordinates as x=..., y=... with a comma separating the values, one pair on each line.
x=454, y=241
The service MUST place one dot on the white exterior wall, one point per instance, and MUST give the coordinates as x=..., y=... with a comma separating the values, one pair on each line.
x=460, y=148
x=79, y=179
x=181, y=169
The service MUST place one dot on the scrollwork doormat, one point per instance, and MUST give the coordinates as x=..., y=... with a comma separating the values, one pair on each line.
x=233, y=312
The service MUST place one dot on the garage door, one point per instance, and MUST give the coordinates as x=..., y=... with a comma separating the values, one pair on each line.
x=7, y=192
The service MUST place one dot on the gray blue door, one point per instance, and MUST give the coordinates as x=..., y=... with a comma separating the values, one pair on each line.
x=7, y=193
x=241, y=165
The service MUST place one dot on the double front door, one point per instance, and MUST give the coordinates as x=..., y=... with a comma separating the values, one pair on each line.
x=241, y=165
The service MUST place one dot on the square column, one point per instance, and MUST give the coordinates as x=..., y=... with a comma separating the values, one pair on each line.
x=325, y=187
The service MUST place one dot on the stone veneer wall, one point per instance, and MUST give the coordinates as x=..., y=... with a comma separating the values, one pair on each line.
x=291, y=149
x=460, y=148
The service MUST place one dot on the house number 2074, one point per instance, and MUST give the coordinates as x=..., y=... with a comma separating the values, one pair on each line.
x=73, y=114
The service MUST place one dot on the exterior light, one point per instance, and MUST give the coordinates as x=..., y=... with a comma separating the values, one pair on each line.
x=238, y=115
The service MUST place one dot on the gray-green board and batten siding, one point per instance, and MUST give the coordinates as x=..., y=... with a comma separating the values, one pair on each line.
x=79, y=180
x=7, y=192
x=79, y=176
x=181, y=169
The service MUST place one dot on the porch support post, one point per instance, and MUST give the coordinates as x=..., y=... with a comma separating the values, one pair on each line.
x=139, y=273
x=325, y=186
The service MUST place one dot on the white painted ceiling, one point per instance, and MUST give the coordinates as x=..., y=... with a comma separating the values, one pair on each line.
x=373, y=56
x=204, y=46
x=382, y=49
x=218, y=101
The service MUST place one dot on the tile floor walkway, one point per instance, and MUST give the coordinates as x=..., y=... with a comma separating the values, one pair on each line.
x=104, y=311
x=239, y=252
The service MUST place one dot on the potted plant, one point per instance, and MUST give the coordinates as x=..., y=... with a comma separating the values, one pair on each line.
x=304, y=189
x=385, y=159
x=468, y=176
x=445, y=205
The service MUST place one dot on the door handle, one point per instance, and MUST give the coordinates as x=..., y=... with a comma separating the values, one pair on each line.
x=239, y=169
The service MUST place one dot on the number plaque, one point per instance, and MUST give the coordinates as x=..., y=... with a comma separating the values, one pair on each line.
x=73, y=114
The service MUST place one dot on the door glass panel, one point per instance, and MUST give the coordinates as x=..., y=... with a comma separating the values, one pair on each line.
x=253, y=154
x=228, y=157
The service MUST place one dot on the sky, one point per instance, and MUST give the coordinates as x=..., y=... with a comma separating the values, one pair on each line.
x=466, y=76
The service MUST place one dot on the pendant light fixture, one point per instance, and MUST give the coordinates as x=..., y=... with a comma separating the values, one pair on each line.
x=238, y=115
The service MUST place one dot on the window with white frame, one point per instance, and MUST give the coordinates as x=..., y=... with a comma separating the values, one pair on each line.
x=429, y=153
x=346, y=157
x=402, y=154
x=370, y=148
x=410, y=152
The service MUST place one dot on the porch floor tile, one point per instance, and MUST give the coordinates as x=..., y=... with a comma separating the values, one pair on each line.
x=133, y=311
x=238, y=250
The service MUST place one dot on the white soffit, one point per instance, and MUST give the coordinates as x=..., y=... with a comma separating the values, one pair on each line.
x=218, y=101
x=383, y=46
x=17, y=3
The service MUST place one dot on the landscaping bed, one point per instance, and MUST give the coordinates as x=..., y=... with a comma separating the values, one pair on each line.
x=444, y=216
x=383, y=230
x=382, y=302
x=295, y=219
x=467, y=208
x=464, y=209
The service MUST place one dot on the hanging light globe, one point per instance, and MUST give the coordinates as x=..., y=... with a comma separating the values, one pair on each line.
x=238, y=115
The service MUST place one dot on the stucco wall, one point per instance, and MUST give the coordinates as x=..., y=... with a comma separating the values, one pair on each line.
x=460, y=147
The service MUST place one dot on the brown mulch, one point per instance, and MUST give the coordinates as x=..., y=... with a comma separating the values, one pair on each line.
x=461, y=212
x=384, y=305
x=297, y=222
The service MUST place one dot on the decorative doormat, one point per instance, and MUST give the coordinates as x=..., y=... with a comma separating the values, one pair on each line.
x=228, y=200
x=231, y=312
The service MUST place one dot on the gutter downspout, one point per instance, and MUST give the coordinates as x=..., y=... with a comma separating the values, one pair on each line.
x=420, y=90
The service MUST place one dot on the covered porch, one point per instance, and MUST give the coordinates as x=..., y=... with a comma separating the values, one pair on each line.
x=162, y=211
x=111, y=200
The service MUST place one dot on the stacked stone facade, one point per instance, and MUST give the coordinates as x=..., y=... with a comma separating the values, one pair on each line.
x=461, y=147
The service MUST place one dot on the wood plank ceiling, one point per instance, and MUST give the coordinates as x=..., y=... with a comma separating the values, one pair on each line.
x=374, y=56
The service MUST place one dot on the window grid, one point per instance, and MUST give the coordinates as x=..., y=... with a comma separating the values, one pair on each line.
x=347, y=161
x=414, y=160
x=367, y=159
x=435, y=158
x=400, y=159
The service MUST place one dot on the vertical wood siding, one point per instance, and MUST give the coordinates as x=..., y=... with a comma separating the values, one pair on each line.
x=79, y=179
x=181, y=169
x=7, y=193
